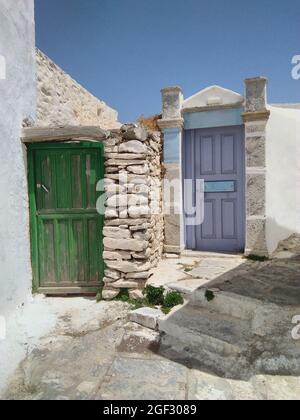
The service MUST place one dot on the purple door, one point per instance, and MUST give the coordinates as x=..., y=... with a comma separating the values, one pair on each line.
x=216, y=156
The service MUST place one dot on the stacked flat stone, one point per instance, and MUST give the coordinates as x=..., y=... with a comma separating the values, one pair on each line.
x=133, y=231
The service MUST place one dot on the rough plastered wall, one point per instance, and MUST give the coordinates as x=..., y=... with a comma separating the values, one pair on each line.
x=133, y=232
x=17, y=102
x=283, y=175
x=62, y=101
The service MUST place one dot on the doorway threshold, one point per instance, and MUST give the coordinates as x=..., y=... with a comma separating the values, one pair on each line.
x=207, y=254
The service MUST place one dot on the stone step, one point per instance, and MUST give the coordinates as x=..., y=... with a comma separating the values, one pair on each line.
x=138, y=339
x=227, y=303
x=214, y=341
x=203, y=254
x=265, y=318
x=230, y=346
x=146, y=317
x=199, y=357
x=205, y=326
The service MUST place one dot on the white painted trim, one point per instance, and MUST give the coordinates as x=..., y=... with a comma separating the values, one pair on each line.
x=256, y=217
x=202, y=99
x=256, y=170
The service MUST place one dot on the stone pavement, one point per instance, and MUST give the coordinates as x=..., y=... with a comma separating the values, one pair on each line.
x=100, y=356
x=274, y=281
x=246, y=327
x=193, y=270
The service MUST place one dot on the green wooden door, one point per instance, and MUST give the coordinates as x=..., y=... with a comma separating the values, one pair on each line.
x=66, y=229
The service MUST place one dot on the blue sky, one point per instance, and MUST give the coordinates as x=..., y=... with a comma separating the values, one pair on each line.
x=125, y=51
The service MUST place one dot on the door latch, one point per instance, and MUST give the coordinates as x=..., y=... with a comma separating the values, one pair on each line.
x=44, y=187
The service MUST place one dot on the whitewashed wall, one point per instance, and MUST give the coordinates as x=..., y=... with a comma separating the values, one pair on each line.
x=17, y=102
x=283, y=175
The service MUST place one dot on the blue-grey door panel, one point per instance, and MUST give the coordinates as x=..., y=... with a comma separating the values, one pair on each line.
x=229, y=154
x=229, y=219
x=217, y=156
x=208, y=228
x=207, y=152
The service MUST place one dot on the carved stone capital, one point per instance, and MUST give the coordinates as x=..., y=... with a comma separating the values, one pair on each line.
x=256, y=116
x=171, y=123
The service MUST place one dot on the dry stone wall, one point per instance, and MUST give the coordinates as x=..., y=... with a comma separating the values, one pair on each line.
x=133, y=231
x=62, y=101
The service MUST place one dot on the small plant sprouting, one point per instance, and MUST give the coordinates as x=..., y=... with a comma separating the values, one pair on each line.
x=123, y=296
x=173, y=299
x=154, y=295
x=165, y=310
x=209, y=294
x=260, y=258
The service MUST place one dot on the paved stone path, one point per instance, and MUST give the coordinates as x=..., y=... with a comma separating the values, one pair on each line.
x=98, y=356
x=274, y=281
x=188, y=273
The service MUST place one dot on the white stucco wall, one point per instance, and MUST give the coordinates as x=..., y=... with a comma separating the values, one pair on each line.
x=283, y=175
x=17, y=102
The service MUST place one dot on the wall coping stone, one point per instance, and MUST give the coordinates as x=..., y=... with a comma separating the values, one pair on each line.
x=43, y=134
x=169, y=89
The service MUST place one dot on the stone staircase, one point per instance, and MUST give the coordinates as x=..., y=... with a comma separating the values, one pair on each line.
x=233, y=335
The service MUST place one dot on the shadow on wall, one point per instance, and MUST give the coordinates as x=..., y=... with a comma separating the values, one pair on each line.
x=240, y=324
x=277, y=234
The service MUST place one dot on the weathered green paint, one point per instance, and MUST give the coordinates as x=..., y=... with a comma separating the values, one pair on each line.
x=66, y=230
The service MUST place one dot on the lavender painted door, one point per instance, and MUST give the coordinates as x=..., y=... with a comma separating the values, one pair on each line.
x=218, y=157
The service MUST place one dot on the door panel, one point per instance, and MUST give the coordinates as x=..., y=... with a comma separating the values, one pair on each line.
x=229, y=218
x=228, y=156
x=208, y=228
x=217, y=157
x=62, y=188
x=66, y=228
x=46, y=251
x=63, y=256
x=76, y=182
x=207, y=165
